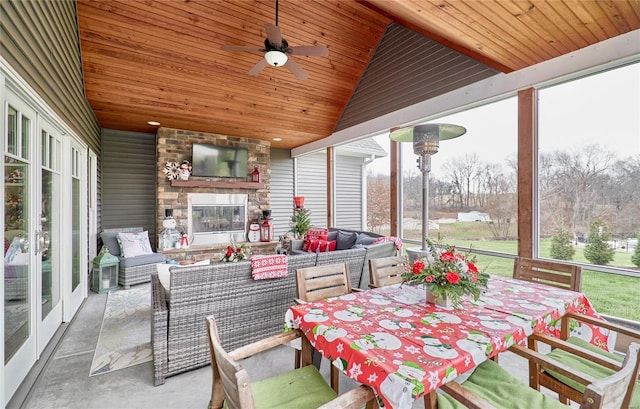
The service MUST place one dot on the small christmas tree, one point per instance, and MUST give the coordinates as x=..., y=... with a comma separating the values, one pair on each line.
x=635, y=258
x=561, y=248
x=597, y=250
x=300, y=222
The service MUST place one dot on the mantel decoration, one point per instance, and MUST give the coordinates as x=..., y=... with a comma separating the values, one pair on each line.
x=448, y=275
x=177, y=171
x=236, y=253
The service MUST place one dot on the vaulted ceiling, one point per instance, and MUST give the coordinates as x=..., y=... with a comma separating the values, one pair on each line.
x=162, y=60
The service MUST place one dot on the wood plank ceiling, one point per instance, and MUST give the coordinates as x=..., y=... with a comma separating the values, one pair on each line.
x=162, y=60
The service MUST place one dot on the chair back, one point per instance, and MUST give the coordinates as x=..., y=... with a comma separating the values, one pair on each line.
x=320, y=282
x=615, y=391
x=386, y=270
x=229, y=378
x=551, y=273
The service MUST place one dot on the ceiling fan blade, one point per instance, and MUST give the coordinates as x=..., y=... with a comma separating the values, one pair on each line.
x=310, y=50
x=274, y=34
x=241, y=48
x=258, y=67
x=296, y=70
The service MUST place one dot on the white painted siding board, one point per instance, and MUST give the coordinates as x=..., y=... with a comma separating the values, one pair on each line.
x=282, y=185
x=312, y=184
x=348, y=200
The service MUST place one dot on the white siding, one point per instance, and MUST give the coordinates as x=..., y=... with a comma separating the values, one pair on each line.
x=281, y=190
x=312, y=184
x=348, y=201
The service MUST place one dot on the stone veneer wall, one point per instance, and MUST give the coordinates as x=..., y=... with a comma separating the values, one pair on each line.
x=174, y=145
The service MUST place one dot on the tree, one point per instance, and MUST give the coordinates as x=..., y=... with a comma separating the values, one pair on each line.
x=597, y=250
x=378, y=202
x=561, y=248
x=635, y=258
x=300, y=222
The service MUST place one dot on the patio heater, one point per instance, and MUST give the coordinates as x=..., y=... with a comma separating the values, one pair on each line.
x=426, y=139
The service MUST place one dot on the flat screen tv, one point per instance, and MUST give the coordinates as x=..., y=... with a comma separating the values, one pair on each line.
x=219, y=161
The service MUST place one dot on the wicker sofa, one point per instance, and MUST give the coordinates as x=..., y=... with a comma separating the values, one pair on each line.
x=246, y=310
x=132, y=270
x=359, y=275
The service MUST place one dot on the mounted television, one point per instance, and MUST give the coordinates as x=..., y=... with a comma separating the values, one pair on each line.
x=219, y=161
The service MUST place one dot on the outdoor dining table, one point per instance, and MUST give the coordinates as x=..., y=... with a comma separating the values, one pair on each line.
x=391, y=339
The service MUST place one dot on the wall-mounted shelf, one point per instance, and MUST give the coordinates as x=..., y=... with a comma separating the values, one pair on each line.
x=217, y=184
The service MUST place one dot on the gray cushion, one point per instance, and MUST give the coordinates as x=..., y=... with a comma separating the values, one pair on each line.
x=109, y=239
x=345, y=240
x=364, y=239
x=141, y=260
x=333, y=235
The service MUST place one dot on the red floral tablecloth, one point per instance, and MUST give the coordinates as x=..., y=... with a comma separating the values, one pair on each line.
x=390, y=338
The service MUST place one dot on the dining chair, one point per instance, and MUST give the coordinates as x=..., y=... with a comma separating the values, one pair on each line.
x=317, y=283
x=548, y=272
x=386, y=271
x=320, y=282
x=299, y=388
x=579, y=354
x=491, y=386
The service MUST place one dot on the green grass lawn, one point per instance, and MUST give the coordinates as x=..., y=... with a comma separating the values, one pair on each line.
x=610, y=294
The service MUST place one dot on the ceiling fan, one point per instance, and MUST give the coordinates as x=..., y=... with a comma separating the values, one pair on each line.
x=277, y=52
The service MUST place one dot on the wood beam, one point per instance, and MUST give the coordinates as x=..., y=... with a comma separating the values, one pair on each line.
x=330, y=180
x=393, y=182
x=526, y=170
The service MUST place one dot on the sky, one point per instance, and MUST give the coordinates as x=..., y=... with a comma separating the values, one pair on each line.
x=600, y=109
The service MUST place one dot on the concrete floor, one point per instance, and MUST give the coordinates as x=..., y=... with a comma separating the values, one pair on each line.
x=65, y=383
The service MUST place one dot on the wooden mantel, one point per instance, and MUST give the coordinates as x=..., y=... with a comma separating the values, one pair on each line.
x=217, y=184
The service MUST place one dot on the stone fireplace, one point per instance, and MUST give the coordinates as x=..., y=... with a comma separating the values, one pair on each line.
x=214, y=218
x=214, y=199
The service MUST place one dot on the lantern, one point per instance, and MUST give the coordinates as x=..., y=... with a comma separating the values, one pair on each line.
x=266, y=230
x=299, y=202
x=255, y=175
x=105, y=272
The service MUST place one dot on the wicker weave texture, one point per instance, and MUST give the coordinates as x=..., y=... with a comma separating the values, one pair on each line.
x=128, y=276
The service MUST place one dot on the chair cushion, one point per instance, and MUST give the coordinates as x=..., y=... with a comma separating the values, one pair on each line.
x=300, y=388
x=152, y=258
x=588, y=367
x=364, y=240
x=493, y=383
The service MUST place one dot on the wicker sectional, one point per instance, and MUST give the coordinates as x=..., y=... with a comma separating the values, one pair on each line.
x=246, y=310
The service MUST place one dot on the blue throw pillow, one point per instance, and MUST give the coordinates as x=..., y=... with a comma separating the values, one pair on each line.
x=345, y=240
x=109, y=239
x=364, y=240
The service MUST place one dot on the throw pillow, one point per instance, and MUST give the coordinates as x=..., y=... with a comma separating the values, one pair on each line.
x=364, y=240
x=322, y=246
x=134, y=244
x=314, y=234
x=346, y=240
x=109, y=239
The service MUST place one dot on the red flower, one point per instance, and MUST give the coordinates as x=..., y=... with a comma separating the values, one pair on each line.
x=472, y=268
x=229, y=251
x=453, y=277
x=447, y=256
x=430, y=278
x=418, y=266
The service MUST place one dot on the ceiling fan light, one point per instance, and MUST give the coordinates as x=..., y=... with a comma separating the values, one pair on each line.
x=276, y=58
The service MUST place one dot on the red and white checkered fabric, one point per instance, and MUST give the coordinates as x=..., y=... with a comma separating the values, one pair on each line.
x=271, y=266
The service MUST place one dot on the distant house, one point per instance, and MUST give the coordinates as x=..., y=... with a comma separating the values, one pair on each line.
x=473, y=216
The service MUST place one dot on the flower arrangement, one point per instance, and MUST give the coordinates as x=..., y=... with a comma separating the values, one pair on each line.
x=447, y=274
x=236, y=253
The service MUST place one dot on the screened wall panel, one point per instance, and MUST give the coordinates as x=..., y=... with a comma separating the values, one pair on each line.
x=349, y=195
x=129, y=181
x=282, y=184
x=312, y=184
x=39, y=39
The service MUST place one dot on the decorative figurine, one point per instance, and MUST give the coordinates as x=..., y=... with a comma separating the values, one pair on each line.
x=185, y=170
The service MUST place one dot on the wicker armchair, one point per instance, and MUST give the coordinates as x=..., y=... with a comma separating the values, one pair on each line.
x=132, y=270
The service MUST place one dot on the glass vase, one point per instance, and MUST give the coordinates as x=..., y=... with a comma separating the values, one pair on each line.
x=440, y=301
